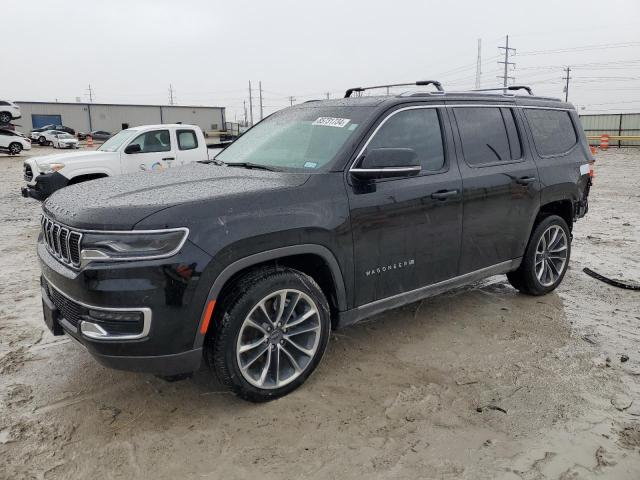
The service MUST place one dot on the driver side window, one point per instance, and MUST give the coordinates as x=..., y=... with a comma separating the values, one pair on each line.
x=417, y=129
x=154, y=141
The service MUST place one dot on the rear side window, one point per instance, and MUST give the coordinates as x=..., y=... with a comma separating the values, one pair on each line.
x=483, y=131
x=3, y=103
x=187, y=140
x=553, y=132
x=418, y=129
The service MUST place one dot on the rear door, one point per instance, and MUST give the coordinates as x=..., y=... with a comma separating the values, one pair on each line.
x=501, y=189
x=190, y=148
x=406, y=231
x=157, y=152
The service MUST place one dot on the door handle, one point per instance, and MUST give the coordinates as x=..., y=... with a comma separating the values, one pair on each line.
x=444, y=194
x=525, y=180
x=169, y=158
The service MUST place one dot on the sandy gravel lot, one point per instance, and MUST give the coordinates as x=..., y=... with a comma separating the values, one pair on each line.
x=479, y=383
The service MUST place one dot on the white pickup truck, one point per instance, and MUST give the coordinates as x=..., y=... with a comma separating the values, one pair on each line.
x=148, y=148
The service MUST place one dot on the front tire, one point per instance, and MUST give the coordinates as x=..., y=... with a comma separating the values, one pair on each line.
x=546, y=258
x=42, y=141
x=271, y=331
x=5, y=117
x=15, y=148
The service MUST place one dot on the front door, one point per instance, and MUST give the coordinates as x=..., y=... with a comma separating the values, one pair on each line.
x=500, y=185
x=157, y=152
x=406, y=231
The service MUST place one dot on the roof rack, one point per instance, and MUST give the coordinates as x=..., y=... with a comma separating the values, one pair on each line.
x=421, y=83
x=510, y=87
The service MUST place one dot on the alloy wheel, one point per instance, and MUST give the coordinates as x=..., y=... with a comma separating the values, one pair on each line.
x=551, y=255
x=278, y=339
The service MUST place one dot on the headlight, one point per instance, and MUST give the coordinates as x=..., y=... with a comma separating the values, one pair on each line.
x=50, y=167
x=132, y=245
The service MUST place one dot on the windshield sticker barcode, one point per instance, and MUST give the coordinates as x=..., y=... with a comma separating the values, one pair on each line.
x=331, y=122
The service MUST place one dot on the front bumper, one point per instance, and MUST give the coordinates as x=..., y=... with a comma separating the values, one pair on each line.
x=165, y=345
x=45, y=185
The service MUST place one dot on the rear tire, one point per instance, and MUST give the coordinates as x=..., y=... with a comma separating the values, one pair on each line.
x=268, y=333
x=546, y=258
x=42, y=141
x=15, y=148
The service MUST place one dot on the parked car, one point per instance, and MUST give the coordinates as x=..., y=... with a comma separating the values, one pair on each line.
x=9, y=111
x=64, y=140
x=95, y=134
x=46, y=137
x=148, y=148
x=35, y=133
x=13, y=142
x=321, y=215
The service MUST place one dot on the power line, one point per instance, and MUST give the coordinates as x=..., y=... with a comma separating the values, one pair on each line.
x=582, y=48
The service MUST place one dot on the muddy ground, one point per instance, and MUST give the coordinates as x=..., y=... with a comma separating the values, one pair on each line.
x=478, y=383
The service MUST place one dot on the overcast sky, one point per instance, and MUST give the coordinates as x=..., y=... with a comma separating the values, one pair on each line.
x=130, y=51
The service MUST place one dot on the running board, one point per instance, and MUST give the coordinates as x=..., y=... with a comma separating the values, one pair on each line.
x=354, y=315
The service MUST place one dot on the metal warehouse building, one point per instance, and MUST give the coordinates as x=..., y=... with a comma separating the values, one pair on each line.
x=85, y=117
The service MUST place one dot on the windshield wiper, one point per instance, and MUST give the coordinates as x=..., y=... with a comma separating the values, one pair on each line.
x=250, y=165
x=217, y=162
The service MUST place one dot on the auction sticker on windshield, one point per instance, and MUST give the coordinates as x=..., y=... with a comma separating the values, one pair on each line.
x=331, y=122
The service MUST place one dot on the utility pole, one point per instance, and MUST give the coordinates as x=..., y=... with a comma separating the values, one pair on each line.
x=291, y=100
x=260, y=87
x=250, y=104
x=566, y=87
x=479, y=64
x=170, y=94
x=506, y=62
x=328, y=95
x=90, y=94
x=244, y=104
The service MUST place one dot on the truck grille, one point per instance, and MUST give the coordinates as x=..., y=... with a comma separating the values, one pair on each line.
x=62, y=242
x=28, y=173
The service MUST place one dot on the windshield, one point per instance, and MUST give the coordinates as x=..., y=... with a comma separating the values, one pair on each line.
x=115, y=142
x=306, y=138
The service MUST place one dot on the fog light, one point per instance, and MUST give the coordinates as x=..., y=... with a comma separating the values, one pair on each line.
x=112, y=316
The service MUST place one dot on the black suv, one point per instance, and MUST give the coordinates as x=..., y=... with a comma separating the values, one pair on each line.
x=321, y=215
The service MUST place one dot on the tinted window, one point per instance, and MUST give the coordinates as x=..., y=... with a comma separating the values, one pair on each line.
x=187, y=140
x=418, y=129
x=154, y=141
x=484, y=135
x=552, y=130
x=2, y=102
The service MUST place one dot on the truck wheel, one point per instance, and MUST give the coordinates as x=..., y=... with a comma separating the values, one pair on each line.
x=15, y=148
x=270, y=333
x=5, y=117
x=546, y=258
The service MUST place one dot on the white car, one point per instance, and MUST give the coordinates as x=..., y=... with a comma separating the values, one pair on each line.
x=13, y=142
x=148, y=148
x=9, y=111
x=64, y=140
x=46, y=137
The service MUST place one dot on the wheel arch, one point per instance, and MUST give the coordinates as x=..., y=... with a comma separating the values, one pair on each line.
x=86, y=177
x=315, y=260
x=563, y=208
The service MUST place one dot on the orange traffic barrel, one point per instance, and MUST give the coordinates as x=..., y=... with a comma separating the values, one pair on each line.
x=89, y=141
x=604, y=142
x=594, y=150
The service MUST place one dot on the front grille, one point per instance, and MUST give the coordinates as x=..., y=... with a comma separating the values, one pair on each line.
x=28, y=173
x=70, y=310
x=62, y=242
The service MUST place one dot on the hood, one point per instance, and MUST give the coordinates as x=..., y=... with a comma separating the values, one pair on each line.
x=72, y=157
x=118, y=203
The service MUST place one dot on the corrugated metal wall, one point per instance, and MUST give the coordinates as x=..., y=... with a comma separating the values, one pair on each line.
x=612, y=124
x=84, y=117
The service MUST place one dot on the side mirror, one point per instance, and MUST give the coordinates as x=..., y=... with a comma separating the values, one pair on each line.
x=133, y=148
x=387, y=163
